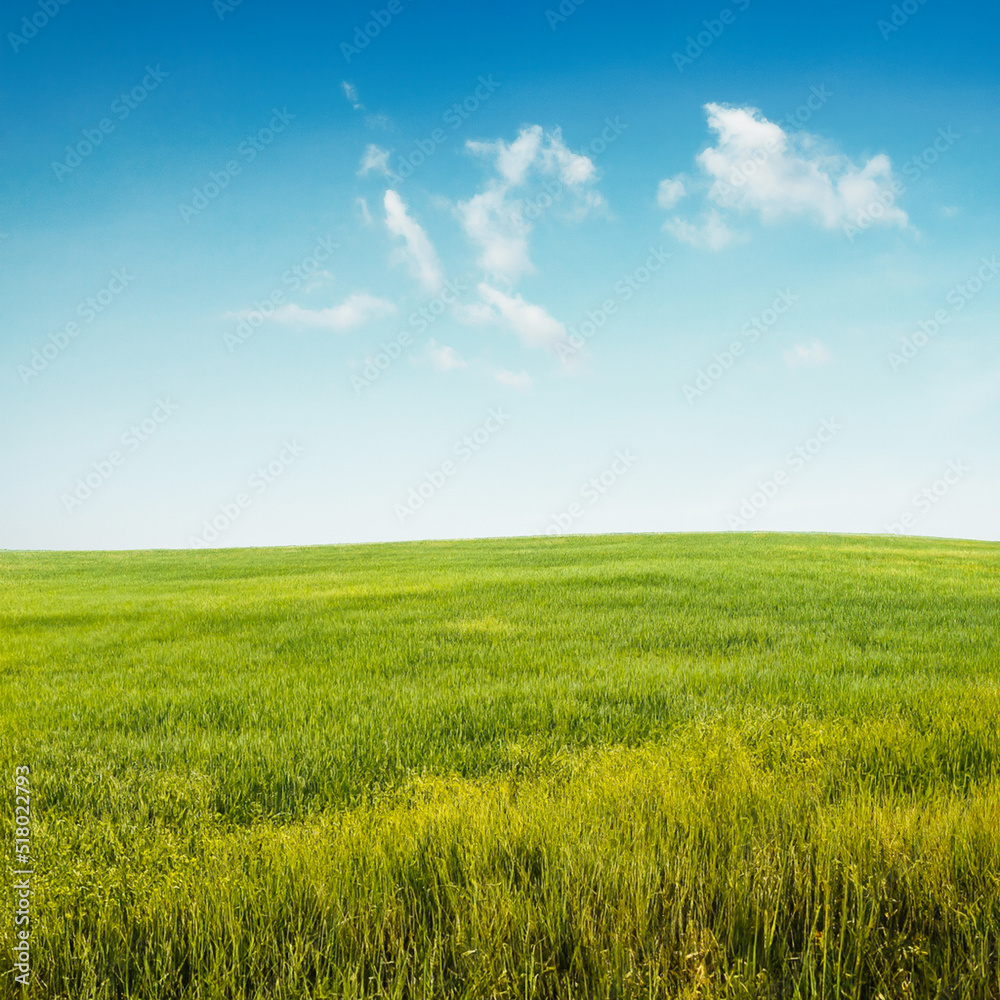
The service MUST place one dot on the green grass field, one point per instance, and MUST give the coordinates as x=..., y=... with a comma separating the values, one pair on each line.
x=738, y=766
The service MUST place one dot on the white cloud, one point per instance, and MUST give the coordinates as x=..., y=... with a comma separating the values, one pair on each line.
x=444, y=358
x=501, y=232
x=498, y=225
x=473, y=313
x=755, y=167
x=670, y=191
x=950, y=211
x=417, y=251
x=376, y=159
x=366, y=216
x=522, y=382
x=513, y=161
x=808, y=355
x=530, y=322
x=572, y=168
x=351, y=93
x=713, y=234
x=356, y=309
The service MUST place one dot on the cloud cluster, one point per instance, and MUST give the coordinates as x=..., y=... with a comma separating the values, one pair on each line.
x=495, y=222
x=756, y=168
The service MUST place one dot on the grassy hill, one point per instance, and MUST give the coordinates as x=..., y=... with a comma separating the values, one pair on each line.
x=615, y=766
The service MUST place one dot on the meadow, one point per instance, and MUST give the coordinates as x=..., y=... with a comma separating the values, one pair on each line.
x=652, y=766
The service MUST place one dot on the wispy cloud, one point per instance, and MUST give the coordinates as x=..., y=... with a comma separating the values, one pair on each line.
x=444, y=358
x=357, y=309
x=711, y=234
x=670, y=191
x=351, y=93
x=495, y=223
x=417, y=251
x=530, y=322
x=375, y=159
x=520, y=381
x=809, y=355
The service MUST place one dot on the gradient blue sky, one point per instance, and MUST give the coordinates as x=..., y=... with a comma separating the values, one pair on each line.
x=908, y=444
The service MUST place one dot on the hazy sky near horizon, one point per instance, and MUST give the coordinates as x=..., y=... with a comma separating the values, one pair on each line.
x=276, y=274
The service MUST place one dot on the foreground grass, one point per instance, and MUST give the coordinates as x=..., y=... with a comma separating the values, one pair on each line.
x=648, y=766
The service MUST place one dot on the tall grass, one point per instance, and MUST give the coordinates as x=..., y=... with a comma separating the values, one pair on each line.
x=649, y=766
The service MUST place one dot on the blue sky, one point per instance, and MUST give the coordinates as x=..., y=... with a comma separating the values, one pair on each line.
x=291, y=276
